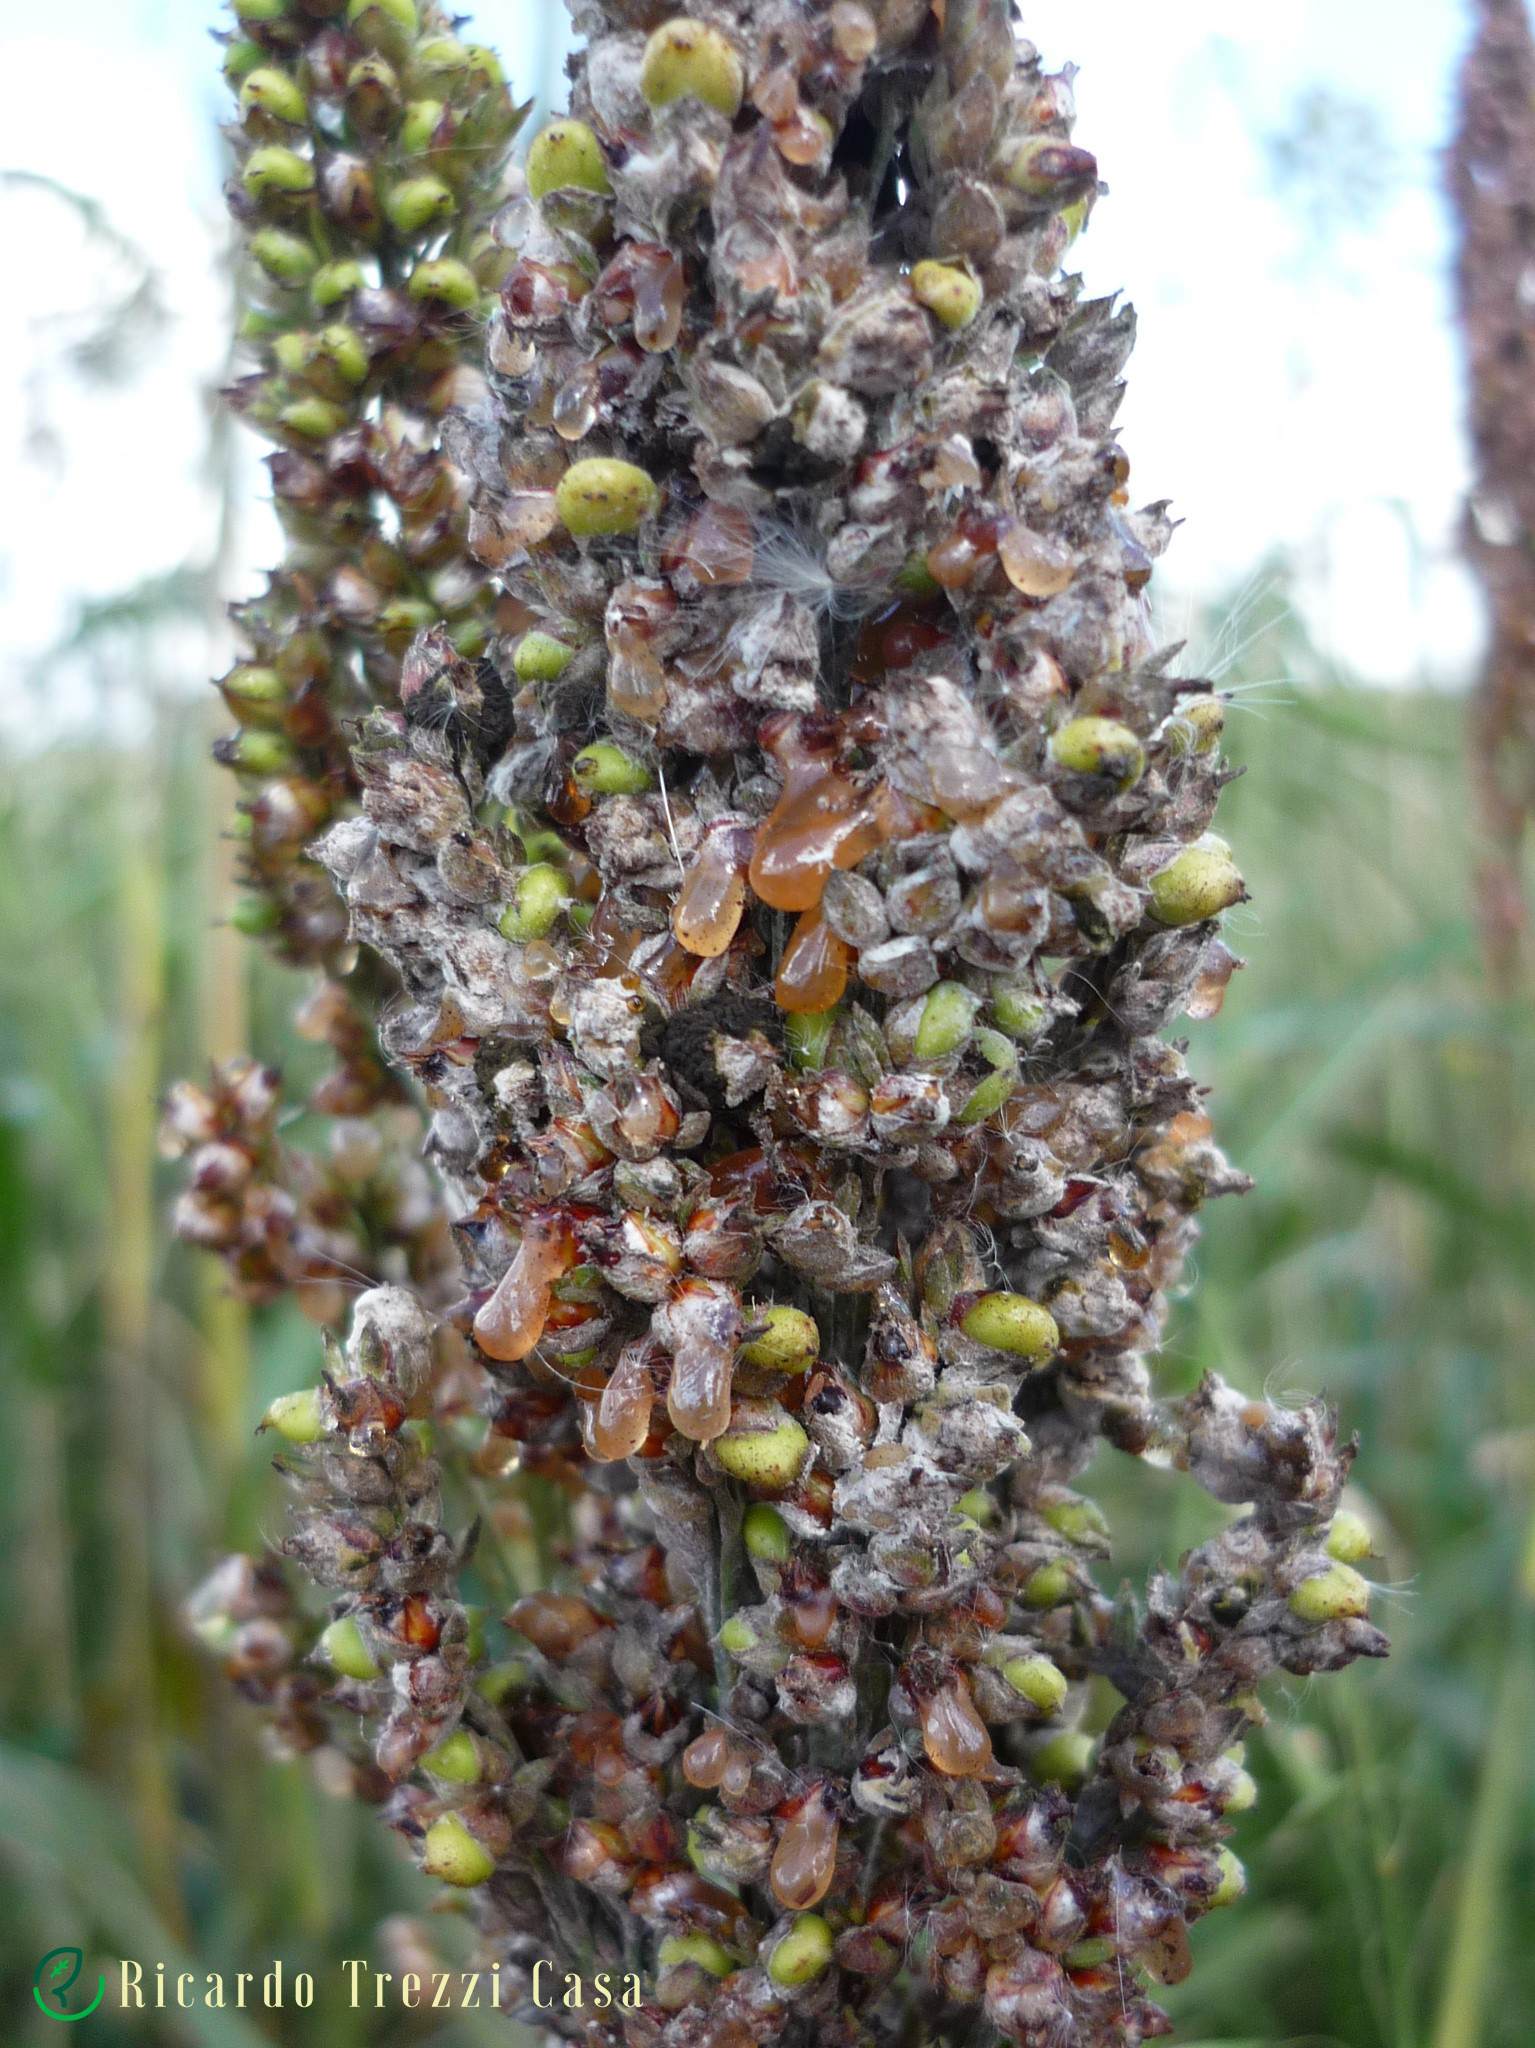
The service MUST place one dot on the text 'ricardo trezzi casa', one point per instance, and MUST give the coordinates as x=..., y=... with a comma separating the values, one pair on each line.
x=149, y=1985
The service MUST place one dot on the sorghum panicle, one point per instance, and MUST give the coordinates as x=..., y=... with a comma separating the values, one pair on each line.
x=785, y=917
x=369, y=154
x=308, y=1222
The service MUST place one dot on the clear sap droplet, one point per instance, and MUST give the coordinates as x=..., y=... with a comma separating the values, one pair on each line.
x=814, y=969
x=706, y=1759
x=658, y=301
x=636, y=679
x=824, y=826
x=713, y=897
x=806, y=1856
x=1209, y=991
x=1036, y=567
x=620, y=1422
x=510, y=1324
x=575, y=403
x=698, y=1397
x=802, y=139
x=953, y=1733
x=510, y=226
x=796, y=843
x=954, y=560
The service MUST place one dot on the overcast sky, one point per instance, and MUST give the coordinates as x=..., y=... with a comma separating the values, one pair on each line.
x=1294, y=390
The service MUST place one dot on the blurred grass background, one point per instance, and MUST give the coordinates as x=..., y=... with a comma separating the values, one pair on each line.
x=1362, y=1073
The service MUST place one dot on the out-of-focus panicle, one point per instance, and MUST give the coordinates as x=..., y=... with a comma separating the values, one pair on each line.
x=785, y=908
x=369, y=156
x=1491, y=170
x=318, y=1224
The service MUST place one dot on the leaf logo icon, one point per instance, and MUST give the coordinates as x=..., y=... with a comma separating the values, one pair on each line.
x=54, y=1976
x=67, y=1965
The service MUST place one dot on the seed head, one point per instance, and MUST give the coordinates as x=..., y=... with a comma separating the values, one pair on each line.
x=296, y=1417
x=1197, y=884
x=600, y=495
x=451, y=1853
x=565, y=154
x=1011, y=1322
x=1331, y=1595
x=948, y=291
x=341, y=1645
x=801, y=1952
x=1040, y=1681
x=787, y=1340
x=687, y=59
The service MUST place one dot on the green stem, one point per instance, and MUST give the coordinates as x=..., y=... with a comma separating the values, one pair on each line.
x=1468, y=1972
x=134, y=1752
